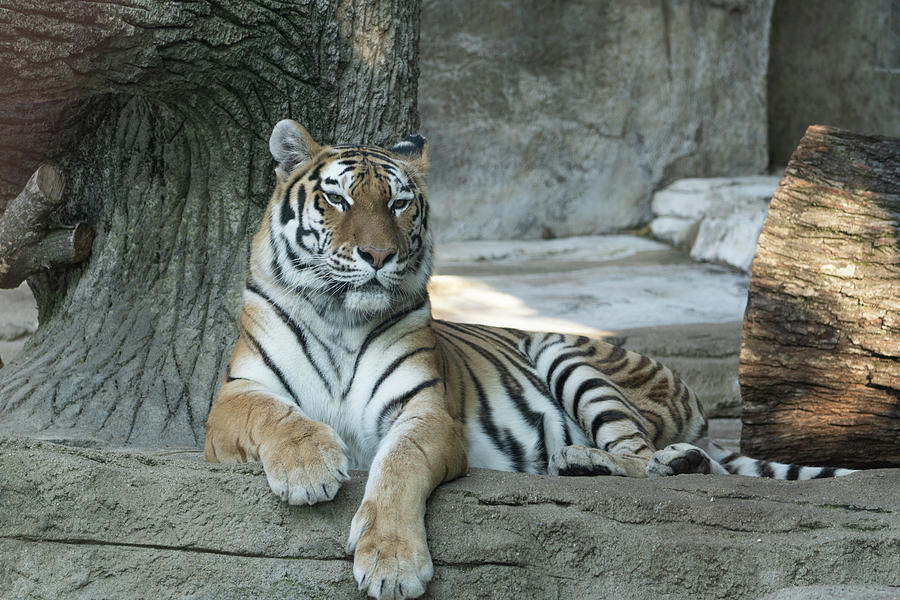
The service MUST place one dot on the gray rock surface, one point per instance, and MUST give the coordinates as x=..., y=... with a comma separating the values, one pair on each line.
x=833, y=63
x=833, y=592
x=18, y=320
x=566, y=117
x=85, y=523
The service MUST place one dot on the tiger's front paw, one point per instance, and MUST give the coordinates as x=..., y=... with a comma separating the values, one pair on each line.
x=581, y=460
x=392, y=559
x=306, y=463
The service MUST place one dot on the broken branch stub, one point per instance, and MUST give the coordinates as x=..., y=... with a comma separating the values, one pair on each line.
x=28, y=243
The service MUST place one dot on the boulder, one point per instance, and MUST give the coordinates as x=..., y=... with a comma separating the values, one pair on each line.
x=716, y=219
x=562, y=119
x=91, y=523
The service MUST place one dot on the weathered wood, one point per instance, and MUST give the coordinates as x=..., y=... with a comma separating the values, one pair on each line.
x=820, y=356
x=28, y=244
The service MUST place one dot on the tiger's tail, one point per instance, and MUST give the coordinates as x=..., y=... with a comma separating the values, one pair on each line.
x=726, y=462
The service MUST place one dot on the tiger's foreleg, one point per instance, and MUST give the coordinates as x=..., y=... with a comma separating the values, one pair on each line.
x=304, y=460
x=423, y=447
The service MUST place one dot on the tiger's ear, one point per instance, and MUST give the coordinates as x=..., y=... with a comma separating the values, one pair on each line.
x=291, y=145
x=414, y=150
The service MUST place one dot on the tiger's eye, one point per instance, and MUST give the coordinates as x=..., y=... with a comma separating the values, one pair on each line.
x=337, y=201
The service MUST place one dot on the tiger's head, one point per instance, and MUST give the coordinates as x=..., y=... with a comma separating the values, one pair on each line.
x=347, y=224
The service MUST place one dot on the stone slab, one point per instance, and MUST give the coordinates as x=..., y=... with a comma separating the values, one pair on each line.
x=832, y=63
x=86, y=523
x=604, y=284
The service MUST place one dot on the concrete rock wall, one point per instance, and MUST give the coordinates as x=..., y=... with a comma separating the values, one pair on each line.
x=562, y=117
x=835, y=63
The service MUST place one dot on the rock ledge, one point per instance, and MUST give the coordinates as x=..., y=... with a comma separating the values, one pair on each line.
x=88, y=523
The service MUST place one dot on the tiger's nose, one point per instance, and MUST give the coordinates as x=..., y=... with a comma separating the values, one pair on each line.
x=376, y=256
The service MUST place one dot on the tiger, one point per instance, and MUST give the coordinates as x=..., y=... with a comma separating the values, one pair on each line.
x=339, y=365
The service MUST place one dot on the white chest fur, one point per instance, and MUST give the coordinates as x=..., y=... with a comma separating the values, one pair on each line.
x=343, y=376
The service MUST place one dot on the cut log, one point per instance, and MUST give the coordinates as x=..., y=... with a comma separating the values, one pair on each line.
x=29, y=244
x=820, y=356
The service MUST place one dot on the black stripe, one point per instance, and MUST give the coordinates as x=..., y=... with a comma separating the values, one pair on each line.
x=292, y=256
x=506, y=338
x=607, y=416
x=793, y=472
x=642, y=363
x=377, y=331
x=605, y=365
x=764, y=468
x=366, y=153
x=566, y=356
x=507, y=349
x=633, y=413
x=562, y=379
x=273, y=367
x=302, y=231
x=399, y=402
x=616, y=354
x=586, y=386
x=825, y=473
x=730, y=458
x=526, y=347
x=297, y=331
x=637, y=377
x=314, y=174
x=505, y=443
x=625, y=438
x=547, y=343
x=460, y=383
x=512, y=389
x=286, y=213
x=276, y=266
x=393, y=367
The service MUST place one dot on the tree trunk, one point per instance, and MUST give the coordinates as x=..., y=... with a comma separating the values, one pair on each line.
x=157, y=115
x=820, y=357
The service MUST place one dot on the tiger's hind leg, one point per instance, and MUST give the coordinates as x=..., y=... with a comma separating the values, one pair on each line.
x=621, y=445
x=615, y=427
x=682, y=458
x=625, y=403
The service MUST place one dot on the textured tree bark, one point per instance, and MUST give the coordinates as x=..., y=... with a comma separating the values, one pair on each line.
x=820, y=357
x=159, y=114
